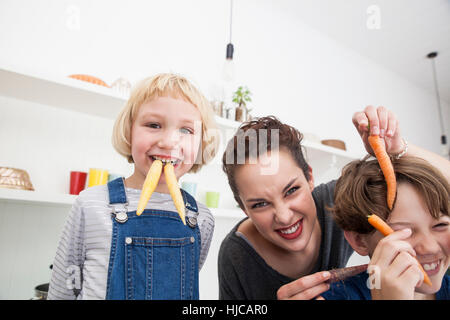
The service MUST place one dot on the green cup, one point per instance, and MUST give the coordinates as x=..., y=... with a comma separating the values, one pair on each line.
x=212, y=199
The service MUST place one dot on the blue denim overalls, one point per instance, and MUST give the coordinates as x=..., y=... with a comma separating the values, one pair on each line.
x=154, y=255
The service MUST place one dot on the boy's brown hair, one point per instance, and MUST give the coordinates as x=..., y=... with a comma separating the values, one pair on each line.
x=361, y=190
x=264, y=128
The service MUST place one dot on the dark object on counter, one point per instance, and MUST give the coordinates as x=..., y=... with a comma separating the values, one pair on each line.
x=41, y=291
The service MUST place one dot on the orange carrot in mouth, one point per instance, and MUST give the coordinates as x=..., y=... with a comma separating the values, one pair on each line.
x=150, y=183
x=386, y=230
x=379, y=149
x=174, y=190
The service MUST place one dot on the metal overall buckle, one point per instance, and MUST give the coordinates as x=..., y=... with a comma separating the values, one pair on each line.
x=191, y=219
x=120, y=215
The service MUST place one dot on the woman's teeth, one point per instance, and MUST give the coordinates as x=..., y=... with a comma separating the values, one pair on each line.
x=291, y=229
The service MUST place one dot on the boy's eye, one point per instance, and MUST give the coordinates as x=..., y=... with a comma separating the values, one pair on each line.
x=259, y=205
x=441, y=225
x=291, y=190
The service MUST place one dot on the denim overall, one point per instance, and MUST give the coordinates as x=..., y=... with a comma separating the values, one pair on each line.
x=154, y=255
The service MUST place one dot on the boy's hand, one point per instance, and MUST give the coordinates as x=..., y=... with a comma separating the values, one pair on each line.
x=393, y=261
x=383, y=123
x=305, y=288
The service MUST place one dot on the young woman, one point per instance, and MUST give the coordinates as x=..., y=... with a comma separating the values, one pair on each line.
x=288, y=240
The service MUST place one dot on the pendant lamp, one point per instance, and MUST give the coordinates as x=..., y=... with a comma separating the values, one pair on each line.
x=432, y=56
x=228, y=73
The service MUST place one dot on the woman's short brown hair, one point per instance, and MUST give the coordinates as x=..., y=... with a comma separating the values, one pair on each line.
x=253, y=139
x=361, y=190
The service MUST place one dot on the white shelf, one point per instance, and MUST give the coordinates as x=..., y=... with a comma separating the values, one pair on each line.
x=91, y=99
x=228, y=213
x=63, y=92
x=35, y=197
x=226, y=123
x=71, y=94
x=316, y=147
x=66, y=200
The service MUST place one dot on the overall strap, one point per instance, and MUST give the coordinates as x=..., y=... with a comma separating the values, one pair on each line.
x=116, y=190
x=192, y=209
x=189, y=201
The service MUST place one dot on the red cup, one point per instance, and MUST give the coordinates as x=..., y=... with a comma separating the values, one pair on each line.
x=77, y=182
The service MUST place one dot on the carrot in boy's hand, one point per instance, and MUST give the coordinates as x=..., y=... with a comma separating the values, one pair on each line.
x=343, y=273
x=386, y=230
x=379, y=149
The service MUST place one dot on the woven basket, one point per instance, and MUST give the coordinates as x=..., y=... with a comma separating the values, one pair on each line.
x=13, y=178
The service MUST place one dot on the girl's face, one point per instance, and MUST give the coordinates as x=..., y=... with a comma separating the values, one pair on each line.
x=279, y=202
x=165, y=128
x=430, y=238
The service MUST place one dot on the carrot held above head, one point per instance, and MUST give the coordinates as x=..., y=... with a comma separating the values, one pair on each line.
x=386, y=230
x=377, y=145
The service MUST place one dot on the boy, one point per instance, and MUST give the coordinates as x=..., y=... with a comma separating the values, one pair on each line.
x=420, y=219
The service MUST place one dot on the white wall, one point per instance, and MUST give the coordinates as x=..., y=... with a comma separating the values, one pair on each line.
x=287, y=65
x=294, y=72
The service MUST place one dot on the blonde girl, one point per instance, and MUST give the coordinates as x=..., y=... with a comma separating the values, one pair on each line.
x=106, y=250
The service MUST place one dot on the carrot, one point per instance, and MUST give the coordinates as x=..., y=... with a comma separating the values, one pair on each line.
x=174, y=189
x=343, y=273
x=150, y=183
x=386, y=230
x=380, y=225
x=378, y=148
x=88, y=78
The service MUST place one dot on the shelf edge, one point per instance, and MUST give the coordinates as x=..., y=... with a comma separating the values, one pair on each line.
x=34, y=197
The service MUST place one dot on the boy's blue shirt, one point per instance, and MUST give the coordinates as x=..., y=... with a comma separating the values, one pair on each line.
x=355, y=288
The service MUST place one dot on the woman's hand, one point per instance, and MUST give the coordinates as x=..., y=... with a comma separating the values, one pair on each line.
x=393, y=270
x=305, y=288
x=383, y=123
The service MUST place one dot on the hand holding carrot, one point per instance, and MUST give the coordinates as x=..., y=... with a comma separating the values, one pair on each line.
x=397, y=268
x=305, y=288
x=383, y=123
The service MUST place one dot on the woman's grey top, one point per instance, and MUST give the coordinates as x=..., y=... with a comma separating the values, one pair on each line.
x=243, y=273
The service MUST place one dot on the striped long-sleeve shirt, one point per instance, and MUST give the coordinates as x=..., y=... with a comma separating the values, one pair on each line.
x=82, y=257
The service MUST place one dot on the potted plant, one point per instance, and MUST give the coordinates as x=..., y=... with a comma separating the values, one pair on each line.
x=241, y=96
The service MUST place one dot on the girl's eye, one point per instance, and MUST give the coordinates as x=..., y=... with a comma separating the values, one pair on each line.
x=153, y=125
x=187, y=130
x=259, y=205
x=291, y=190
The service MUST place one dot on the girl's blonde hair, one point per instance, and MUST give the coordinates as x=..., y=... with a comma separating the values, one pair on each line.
x=166, y=85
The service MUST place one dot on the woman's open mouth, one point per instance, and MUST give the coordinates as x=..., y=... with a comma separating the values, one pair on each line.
x=291, y=232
